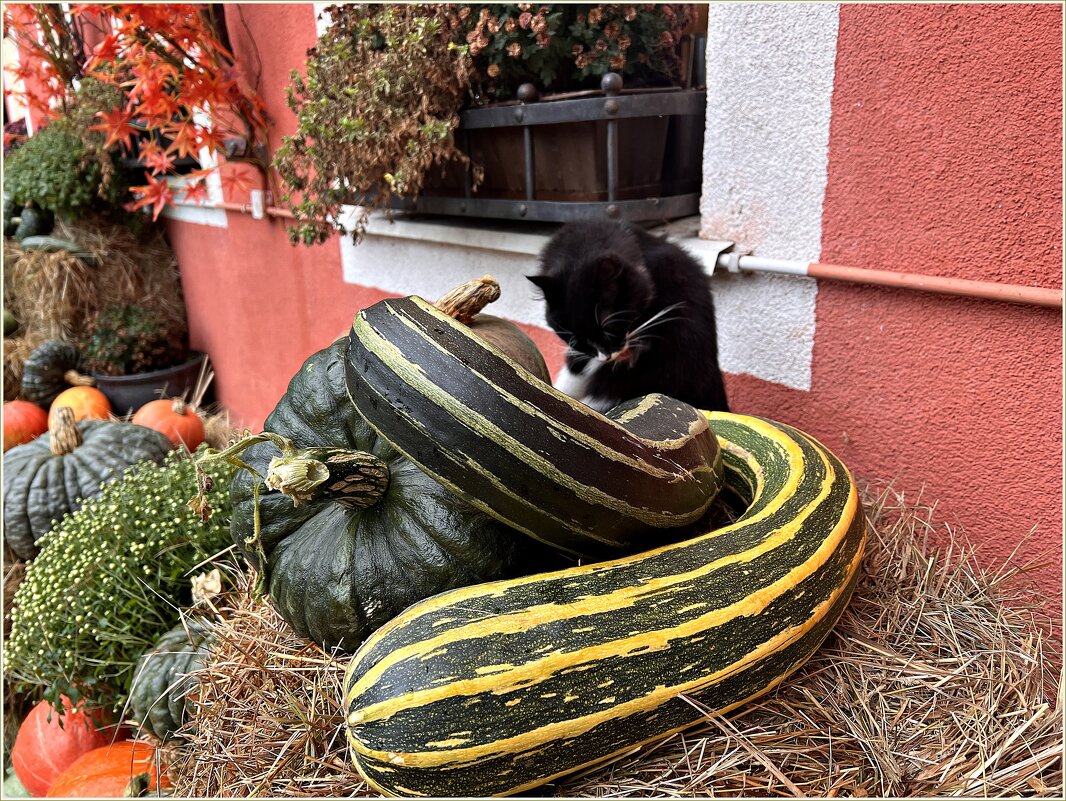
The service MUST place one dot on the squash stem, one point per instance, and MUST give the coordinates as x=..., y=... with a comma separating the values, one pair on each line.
x=65, y=436
x=355, y=479
x=467, y=300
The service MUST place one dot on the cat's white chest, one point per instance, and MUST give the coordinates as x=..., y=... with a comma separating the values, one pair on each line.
x=576, y=386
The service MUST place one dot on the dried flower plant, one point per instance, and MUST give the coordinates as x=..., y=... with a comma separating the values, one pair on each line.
x=375, y=111
x=565, y=47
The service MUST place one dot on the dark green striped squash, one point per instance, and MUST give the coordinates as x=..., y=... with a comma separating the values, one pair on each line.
x=519, y=450
x=501, y=687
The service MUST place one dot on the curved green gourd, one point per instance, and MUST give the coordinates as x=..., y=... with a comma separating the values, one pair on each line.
x=518, y=449
x=501, y=687
x=45, y=370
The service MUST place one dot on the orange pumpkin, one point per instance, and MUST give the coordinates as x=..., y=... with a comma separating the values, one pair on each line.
x=173, y=418
x=43, y=749
x=88, y=403
x=23, y=421
x=106, y=772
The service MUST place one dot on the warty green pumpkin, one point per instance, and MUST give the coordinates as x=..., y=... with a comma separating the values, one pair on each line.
x=351, y=532
x=501, y=687
x=520, y=450
x=51, y=476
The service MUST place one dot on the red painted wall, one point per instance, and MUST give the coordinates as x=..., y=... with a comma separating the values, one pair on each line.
x=258, y=305
x=945, y=158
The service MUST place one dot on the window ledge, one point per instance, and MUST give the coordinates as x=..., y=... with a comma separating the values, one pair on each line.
x=519, y=238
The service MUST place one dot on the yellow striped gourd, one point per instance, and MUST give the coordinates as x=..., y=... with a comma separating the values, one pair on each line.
x=520, y=450
x=500, y=687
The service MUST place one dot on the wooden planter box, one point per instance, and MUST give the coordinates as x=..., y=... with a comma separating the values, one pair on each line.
x=610, y=154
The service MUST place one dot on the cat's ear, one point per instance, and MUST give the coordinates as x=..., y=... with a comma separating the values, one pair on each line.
x=609, y=267
x=545, y=283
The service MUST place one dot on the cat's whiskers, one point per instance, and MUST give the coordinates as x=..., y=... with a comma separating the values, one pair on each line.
x=658, y=318
x=636, y=340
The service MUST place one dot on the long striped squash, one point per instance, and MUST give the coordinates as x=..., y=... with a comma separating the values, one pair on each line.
x=518, y=449
x=500, y=687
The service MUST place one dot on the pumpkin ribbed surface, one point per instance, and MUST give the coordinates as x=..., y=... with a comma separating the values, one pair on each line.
x=40, y=487
x=493, y=689
x=161, y=682
x=520, y=450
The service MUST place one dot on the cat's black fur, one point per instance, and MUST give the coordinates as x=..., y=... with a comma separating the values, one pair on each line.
x=602, y=282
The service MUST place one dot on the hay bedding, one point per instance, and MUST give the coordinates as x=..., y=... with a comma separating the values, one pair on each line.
x=937, y=682
x=53, y=295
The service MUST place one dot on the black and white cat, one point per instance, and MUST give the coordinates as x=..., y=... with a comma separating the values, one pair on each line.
x=636, y=314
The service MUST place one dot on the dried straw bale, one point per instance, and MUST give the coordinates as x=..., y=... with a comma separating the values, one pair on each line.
x=937, y=682
x=54, y=294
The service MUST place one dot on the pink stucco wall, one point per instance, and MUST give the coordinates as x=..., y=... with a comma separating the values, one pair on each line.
x=944, y=158
x=258, y=305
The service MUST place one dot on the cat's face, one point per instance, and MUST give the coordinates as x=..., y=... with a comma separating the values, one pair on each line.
x=594, y=301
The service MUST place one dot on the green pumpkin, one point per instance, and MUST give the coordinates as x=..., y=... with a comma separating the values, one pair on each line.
x=45, y=371
x=34, y=222
x=51, y=475
x=161, y=682
x=337, y=571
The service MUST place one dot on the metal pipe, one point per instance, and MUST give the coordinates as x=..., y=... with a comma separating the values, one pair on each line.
x=246, y=208
x=962, y=287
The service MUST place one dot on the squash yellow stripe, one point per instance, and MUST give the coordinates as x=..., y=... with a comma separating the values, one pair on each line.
x=544, y=668
x=574, y=727
x=416, y=380
x=628, y=748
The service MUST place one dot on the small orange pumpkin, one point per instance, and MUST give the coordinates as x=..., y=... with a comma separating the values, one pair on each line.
x=46, y=745
x=107, y=772
x=173, y=418
x=88, y=403
x=23, y=421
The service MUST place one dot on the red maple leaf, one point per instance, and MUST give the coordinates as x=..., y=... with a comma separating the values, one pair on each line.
x=212, y=140
x=116, y=124
x=185, y=139
x=196, y=191
x=235, y=180
x=155, y=158
x=156, y=193
x=107, y=51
